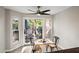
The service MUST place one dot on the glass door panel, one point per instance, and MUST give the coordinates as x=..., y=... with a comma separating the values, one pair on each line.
x=48, y=29
x=33, y=29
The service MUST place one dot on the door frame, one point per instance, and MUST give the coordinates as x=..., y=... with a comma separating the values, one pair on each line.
x=28, y=18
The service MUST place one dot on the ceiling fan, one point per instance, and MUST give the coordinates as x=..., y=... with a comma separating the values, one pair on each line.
x=39, y=12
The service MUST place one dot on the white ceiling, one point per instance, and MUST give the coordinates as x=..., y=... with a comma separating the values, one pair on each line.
x=24, y=9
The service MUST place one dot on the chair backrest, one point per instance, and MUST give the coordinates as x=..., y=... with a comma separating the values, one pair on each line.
x=56, y=39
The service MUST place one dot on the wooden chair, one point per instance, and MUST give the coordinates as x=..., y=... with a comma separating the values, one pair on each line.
x=54, y=45
x=37, y=49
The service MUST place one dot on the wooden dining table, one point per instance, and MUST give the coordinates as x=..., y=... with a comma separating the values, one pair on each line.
x=43, y=43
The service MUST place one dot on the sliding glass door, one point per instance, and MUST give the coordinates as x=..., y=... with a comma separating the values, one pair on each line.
x=33, y=29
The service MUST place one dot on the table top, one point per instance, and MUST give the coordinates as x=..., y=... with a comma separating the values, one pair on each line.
x=40, y=41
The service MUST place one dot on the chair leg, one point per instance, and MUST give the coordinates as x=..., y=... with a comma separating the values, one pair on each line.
x=51, y=48
x=57, y=48
x=47, y=48
x=33, y=51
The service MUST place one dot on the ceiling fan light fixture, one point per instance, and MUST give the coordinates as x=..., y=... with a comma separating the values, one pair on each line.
x=38, y=14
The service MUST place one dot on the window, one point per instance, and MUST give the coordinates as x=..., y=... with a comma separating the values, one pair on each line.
x=48, y=27
x=15, y=29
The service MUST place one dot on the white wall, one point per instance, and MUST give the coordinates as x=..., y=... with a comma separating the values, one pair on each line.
x=66, y=26
x=2, y=30
x=7, y=31
x=10, y=15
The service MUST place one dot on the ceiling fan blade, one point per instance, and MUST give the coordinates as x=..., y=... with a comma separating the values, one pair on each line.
x=45, y=14
x=45, y=10
x=31, y=13
x=31, y=10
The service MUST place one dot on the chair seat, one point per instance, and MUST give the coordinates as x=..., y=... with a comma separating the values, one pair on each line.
x=52, y=45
